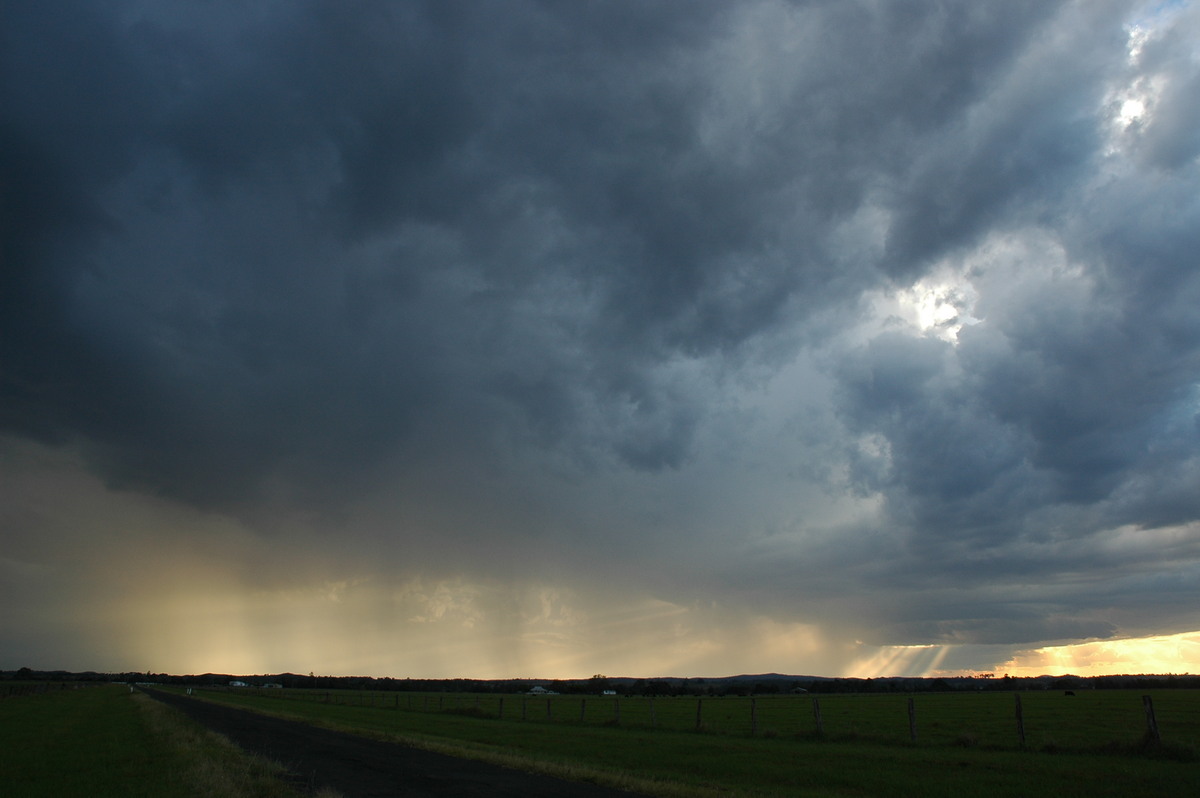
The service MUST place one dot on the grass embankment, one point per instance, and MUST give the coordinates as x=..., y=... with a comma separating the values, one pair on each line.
x=675, y=763
x=105, y=741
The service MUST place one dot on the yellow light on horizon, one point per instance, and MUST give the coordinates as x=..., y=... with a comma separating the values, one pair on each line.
x=1177, y=653
x=898, y=661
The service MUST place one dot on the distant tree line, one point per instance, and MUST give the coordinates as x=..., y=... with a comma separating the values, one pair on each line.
x=772, y=684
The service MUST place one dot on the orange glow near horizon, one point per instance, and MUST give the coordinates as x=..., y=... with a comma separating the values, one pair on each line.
x=139, y=583
x=1162, y=654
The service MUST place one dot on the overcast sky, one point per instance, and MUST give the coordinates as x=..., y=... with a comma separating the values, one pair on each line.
x=544, y=339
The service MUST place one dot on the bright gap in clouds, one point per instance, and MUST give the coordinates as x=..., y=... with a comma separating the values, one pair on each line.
x=1163, y=654
x=941, y=306
x=1177, y=653
x=1132, y=101
x=1131, y=110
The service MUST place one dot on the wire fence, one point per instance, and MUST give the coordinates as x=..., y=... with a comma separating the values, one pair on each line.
x=1046, y=720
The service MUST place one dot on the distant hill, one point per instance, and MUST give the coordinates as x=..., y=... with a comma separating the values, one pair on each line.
x=742, y=684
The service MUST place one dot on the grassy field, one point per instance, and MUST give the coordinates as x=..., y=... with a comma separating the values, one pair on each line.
x=106, y=741
x=1089, y=745
x=1052, y=721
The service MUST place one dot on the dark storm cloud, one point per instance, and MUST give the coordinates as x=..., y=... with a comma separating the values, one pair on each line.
x=1070, y=410
x=236, y=326
x=1077, y=385
x=309, y=226
x=510, y=264
x=1169, y=140
x=1064, y=413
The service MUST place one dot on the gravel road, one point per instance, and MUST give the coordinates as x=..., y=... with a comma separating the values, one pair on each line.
x=359, y=767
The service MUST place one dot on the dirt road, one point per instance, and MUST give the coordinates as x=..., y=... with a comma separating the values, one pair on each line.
x=362, y=768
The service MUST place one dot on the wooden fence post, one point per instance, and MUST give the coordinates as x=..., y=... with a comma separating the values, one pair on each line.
x=912, y=719
x=500, y=711
x=1151, y=722
x=817, y=716
x=582, y=708
x=699, y=703
x=1020, y=720
x=548, y=715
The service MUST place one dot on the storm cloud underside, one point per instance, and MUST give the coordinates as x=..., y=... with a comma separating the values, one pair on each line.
x=532, y=338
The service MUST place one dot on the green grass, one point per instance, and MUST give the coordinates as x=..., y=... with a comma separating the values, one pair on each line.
x=1091, y=720
x=105, y=741
x=866, y=750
